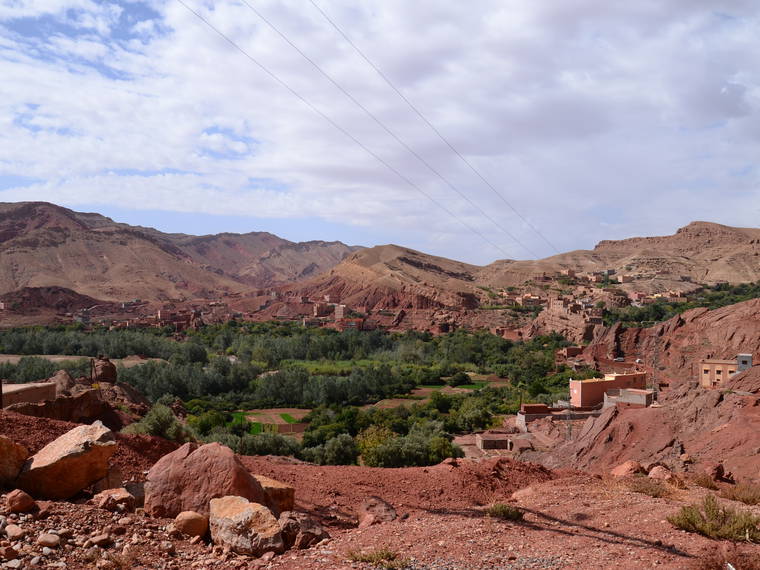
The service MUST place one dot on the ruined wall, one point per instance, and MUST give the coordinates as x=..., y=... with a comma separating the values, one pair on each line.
x=33, y=393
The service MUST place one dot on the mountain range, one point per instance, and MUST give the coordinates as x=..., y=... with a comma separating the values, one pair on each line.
x=42, y=244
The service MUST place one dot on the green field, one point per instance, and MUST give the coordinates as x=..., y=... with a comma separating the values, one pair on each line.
x=331, y=367
x=288, y=418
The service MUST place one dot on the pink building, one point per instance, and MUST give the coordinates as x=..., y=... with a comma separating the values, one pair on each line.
x=589, y=393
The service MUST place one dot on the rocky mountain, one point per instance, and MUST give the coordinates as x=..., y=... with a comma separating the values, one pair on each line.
x=707, y=425
x=391, y=275
x=671, y=350
x=46, y=245
x=703, y=251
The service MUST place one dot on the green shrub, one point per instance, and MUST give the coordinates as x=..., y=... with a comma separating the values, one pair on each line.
x=161, y=422
x=504, y=512
x=269, y=444
x=714, y=521
x=747, y=493
x=340, y=450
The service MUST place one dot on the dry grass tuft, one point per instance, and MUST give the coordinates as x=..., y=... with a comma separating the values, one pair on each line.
x=381, y=558
x=704, y=480
x=714, y=521
x=651, y=487
x=747, y=493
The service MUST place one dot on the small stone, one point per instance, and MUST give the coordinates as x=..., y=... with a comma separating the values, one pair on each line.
x=8, y=553
x=167, y=547
x=191, y=523
x=14, y=532
x=101, y=540
x=16, y=563
x=49, y=540
x=47, y=551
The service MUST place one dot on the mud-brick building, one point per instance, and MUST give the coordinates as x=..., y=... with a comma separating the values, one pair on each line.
x=714, y=373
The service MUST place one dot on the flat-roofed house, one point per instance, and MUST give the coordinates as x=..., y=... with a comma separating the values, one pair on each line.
x=714, y=373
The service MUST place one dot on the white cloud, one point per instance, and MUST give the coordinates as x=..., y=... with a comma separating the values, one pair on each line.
x=596, y=120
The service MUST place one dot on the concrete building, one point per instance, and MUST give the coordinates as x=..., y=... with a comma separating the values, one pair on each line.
x=714, y=373
x=590, y=393
x=629, y=397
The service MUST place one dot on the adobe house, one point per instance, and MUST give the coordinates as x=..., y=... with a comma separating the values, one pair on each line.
x=492, y=440
x=590, y=393
x=714, y=373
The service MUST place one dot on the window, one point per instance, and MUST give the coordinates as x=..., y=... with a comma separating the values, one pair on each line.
x=731, y=371
x=718, y=371
x=705, y=371
x=744, y=363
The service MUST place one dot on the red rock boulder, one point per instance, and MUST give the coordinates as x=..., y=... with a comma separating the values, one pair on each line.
x=70, y=463
x=188, y=478
x=628, y=468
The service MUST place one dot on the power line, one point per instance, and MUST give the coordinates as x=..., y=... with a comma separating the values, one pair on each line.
x=433, y=127
x=383, y=126
x=327, y=118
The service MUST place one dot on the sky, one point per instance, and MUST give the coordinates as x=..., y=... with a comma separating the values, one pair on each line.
x=580, y=120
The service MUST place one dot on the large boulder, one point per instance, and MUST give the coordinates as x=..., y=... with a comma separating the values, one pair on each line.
x=70, y=463
x=244, y=527
x=189, y=477
x=662, y=473
x=282, y=495
x=627, y=469
x=300, y=530
x=12, y=458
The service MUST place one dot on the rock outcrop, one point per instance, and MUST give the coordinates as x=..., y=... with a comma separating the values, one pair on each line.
x=70, y=463
x=103, y=370
x=244, y=527
x=84, y=407
x=374, y=510
x=188, y=478
x=671, y=350
x=300, y=530
x=12, y=458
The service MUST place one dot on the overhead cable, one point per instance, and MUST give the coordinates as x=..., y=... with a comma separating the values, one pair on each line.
x=327, y=118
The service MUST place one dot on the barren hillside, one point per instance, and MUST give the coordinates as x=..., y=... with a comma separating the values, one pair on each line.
x=45, y=245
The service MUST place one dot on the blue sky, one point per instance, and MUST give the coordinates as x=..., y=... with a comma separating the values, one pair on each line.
x=595, y=120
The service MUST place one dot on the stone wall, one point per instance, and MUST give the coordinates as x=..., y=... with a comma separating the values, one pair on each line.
x=21, y=393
